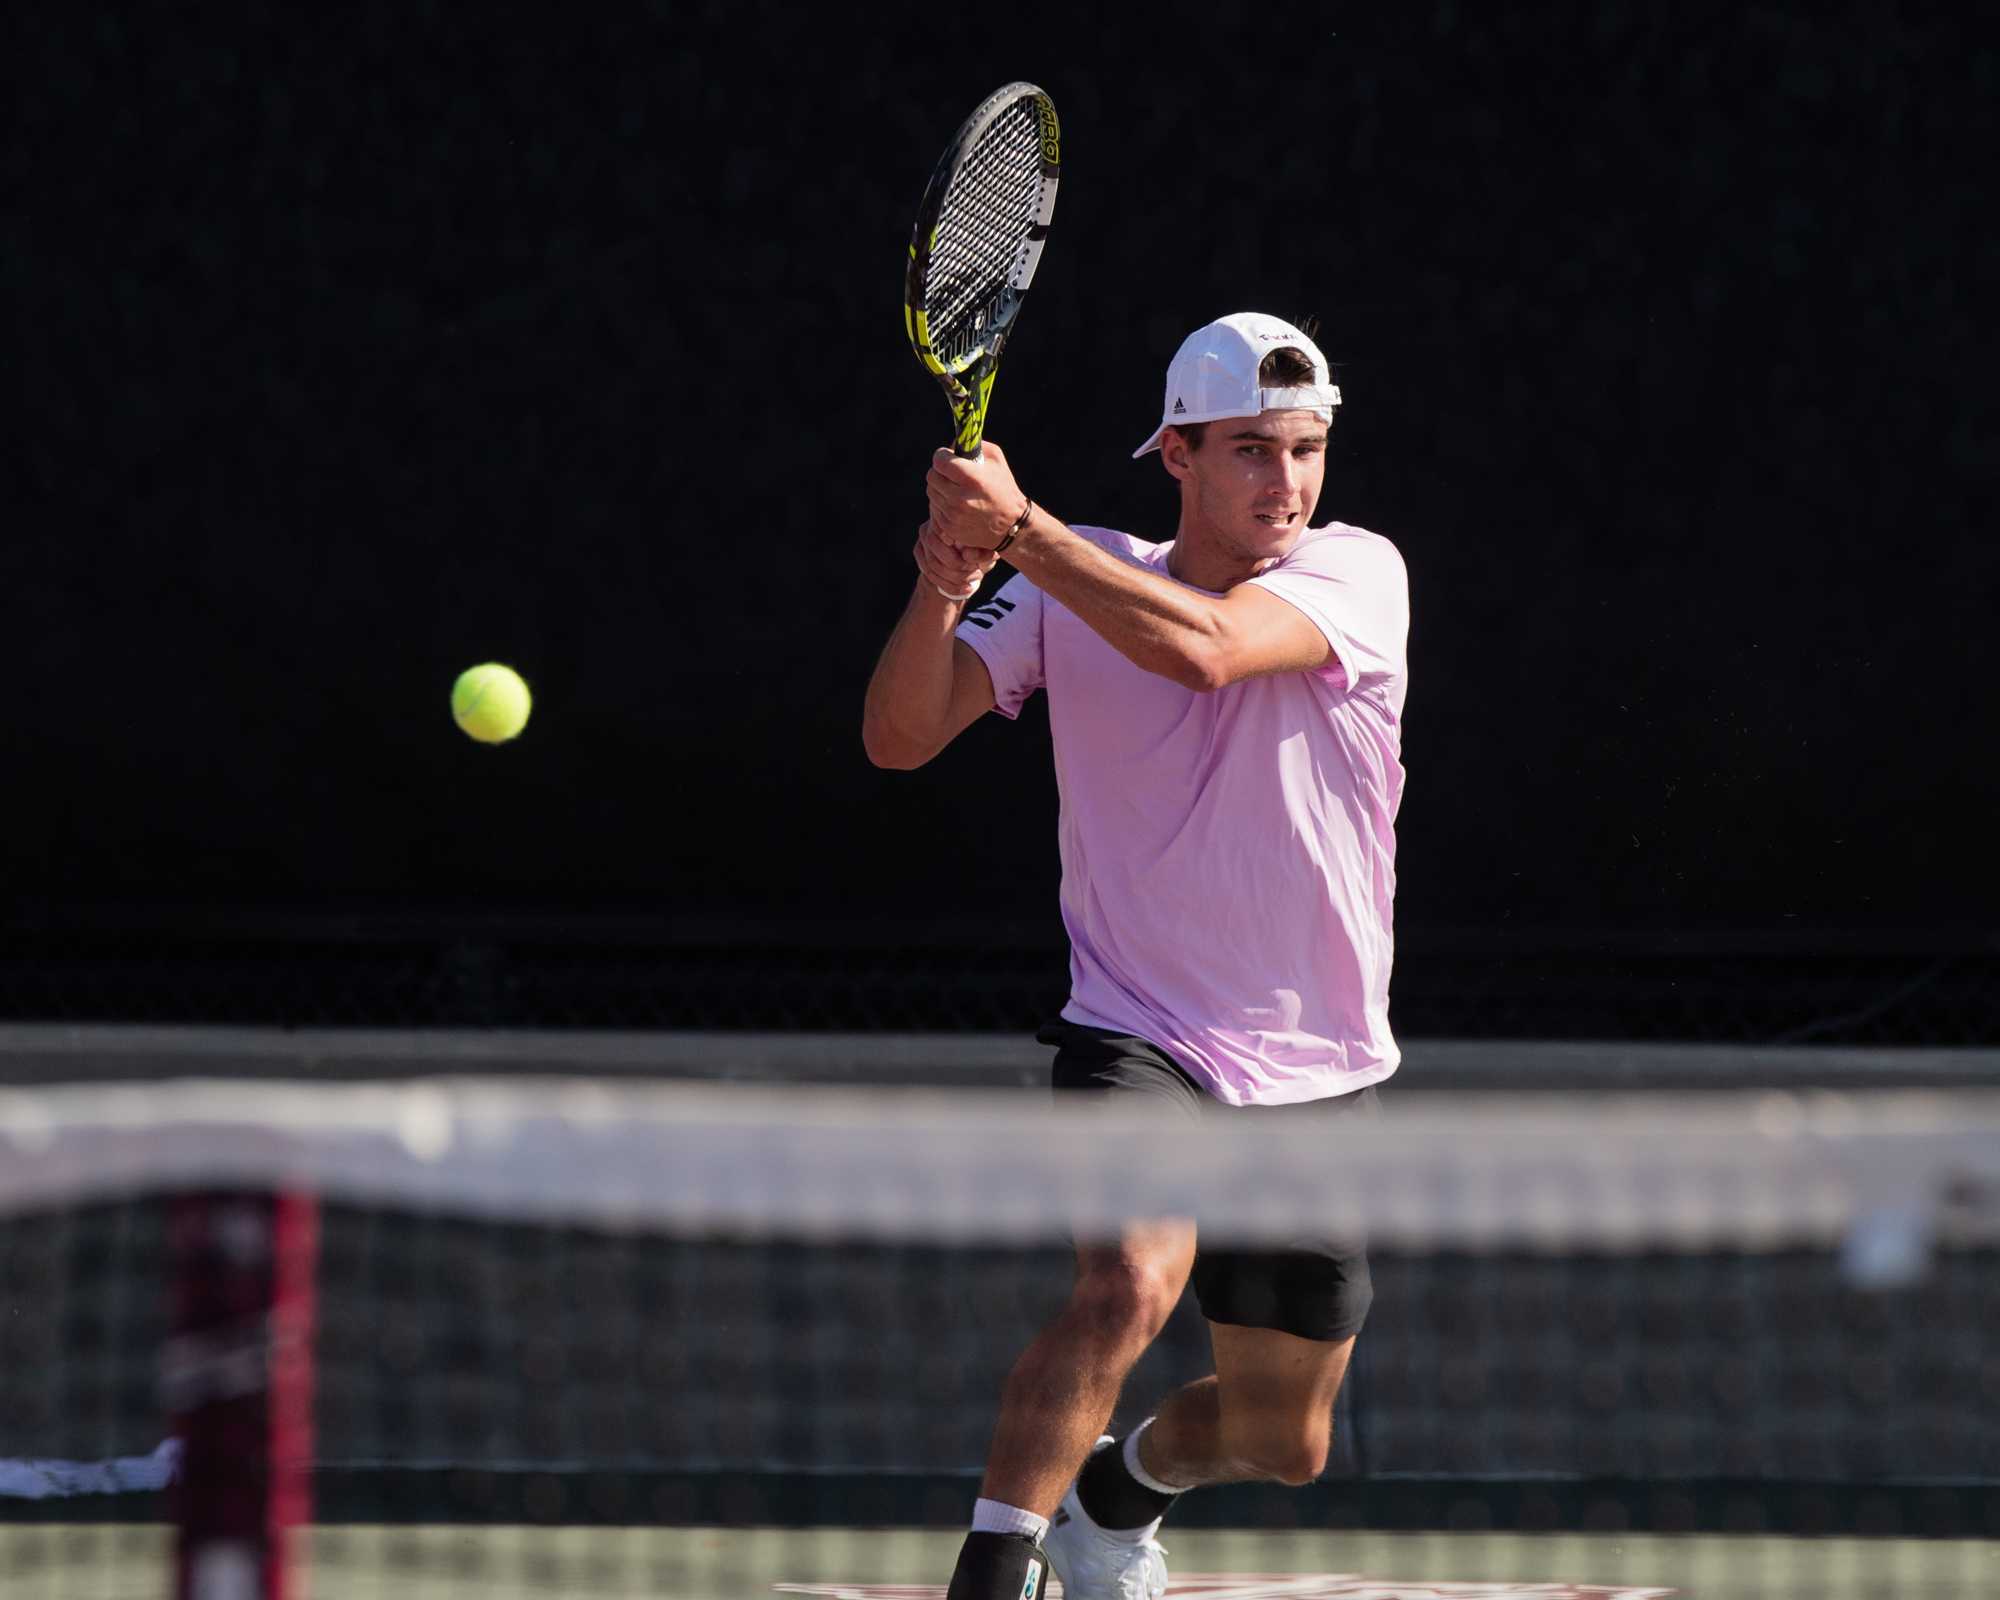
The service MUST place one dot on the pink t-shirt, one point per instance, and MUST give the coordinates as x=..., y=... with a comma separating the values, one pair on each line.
x=1229, y=859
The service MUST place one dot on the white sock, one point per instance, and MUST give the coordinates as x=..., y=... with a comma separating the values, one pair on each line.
x=995, y=1516
x=1139, y=1472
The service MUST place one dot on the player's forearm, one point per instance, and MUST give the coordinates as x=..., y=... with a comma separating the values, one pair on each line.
x=908, y=705
x=1155, y=623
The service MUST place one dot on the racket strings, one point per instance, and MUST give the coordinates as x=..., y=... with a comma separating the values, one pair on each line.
x=992, y=204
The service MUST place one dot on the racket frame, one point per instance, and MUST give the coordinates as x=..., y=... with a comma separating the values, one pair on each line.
x=966, y=376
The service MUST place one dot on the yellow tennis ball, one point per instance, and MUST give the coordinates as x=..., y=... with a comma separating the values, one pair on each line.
x=490, y=702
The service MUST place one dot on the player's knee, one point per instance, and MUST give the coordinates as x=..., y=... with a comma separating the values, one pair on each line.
x=1295, y=1464
x=1294, y=1455
x=1301, y=1464
x=1126, y=1303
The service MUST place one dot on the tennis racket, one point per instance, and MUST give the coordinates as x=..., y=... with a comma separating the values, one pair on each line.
x=976, y=245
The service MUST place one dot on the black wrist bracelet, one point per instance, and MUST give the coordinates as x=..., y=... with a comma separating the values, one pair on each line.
x=1020, y=522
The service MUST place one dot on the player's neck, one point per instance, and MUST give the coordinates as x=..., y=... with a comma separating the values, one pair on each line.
x=1208, y=563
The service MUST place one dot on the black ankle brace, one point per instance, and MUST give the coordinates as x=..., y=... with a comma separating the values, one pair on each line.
x=1113, y=1497
x=998, y=1566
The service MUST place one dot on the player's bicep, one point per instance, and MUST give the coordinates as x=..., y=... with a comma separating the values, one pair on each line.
x=1258, y=633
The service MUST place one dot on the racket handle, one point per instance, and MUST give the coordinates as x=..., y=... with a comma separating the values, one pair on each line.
x=974, y=454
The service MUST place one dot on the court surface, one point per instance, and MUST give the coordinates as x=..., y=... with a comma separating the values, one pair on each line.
x=516, y=1563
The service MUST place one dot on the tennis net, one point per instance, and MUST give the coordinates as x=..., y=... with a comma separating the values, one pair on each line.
x=585, y=1338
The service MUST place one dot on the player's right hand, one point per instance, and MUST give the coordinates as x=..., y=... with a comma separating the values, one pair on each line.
x=951, y=569
x=974, y=499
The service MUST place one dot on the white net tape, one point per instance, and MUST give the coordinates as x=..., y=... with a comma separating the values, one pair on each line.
x=1881, y=1174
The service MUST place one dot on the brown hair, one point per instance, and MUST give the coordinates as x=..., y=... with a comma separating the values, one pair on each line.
x=1286, y=368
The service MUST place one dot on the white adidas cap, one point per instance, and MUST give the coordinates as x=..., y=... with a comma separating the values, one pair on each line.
x=1214, y=374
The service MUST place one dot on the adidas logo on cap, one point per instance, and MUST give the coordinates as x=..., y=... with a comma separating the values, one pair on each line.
x=1180, y=408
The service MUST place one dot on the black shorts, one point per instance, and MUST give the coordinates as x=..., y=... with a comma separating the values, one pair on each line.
x=1316, y=1289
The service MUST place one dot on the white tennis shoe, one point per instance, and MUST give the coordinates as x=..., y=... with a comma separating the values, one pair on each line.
x=1096, y=1565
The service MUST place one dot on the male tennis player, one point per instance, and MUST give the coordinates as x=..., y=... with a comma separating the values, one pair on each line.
x=1226, y=713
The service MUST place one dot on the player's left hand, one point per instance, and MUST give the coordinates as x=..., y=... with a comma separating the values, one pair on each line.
x=953, y=571
x=974, y=500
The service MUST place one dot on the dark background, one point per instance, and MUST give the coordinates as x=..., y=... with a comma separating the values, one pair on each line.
x=356, y=345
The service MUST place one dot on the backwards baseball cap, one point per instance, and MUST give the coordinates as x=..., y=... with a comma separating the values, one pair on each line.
x=1214, y=374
